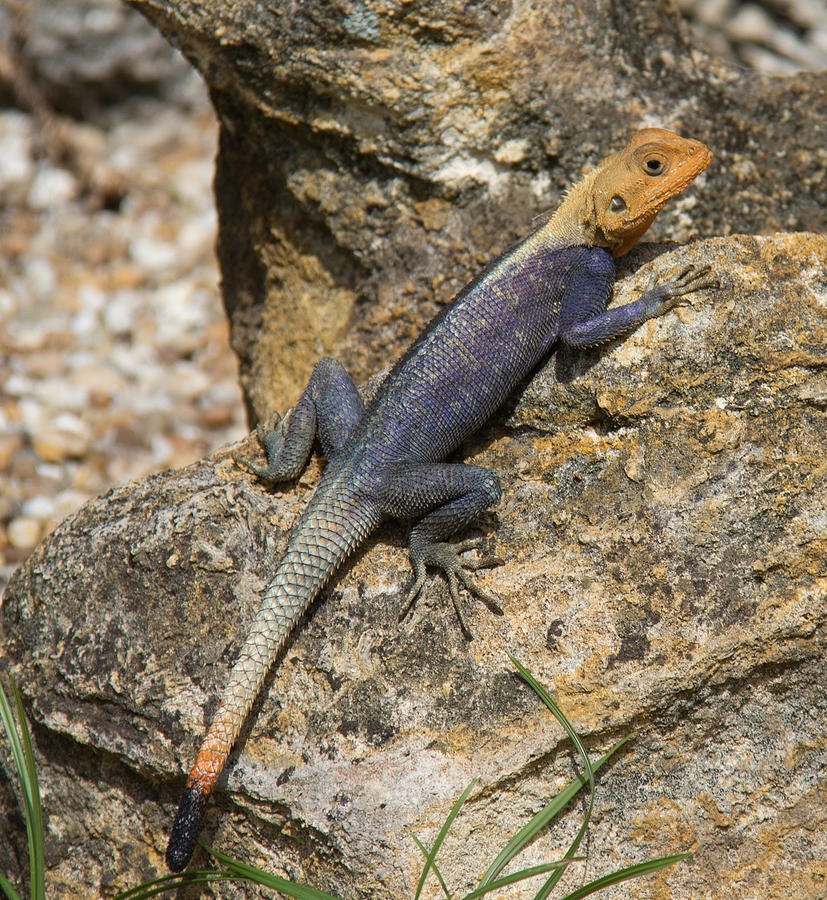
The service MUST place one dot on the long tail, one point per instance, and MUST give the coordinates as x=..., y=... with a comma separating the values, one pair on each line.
x=333, y=525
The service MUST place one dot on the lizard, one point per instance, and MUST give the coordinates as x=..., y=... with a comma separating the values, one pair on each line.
x=387, y=460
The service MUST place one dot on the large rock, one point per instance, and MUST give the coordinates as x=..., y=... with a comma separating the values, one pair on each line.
x=374, y=154
x=663, y=530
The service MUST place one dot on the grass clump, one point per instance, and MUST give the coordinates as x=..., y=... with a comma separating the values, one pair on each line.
x=234, y=870
x=20, y=741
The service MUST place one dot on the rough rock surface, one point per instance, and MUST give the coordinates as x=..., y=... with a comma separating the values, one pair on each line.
x=663, y=527
x=374, y=154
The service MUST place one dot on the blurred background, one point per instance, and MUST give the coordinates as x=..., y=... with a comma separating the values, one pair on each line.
x=114, y=354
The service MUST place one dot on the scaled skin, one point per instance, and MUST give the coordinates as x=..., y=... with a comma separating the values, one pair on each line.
x=386, y=461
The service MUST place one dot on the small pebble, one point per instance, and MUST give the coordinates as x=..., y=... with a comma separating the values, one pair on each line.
x=10, y=444
x=155, y=255
x=51, y=187
x=39, y=507
x=23, y=532
x=54, y=446
x=68, y=502
x=17, y=163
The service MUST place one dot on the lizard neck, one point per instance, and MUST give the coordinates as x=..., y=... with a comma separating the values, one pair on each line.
x=573, y=223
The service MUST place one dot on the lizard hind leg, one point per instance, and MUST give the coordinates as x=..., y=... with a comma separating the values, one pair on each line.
x=330, y=406
x=448, y=497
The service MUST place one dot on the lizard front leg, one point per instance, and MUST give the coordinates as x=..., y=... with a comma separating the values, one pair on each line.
x=582, y=326
x=448, y=497
x=330, y=406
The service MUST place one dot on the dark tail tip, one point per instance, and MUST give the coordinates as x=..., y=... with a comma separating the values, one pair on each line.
x=185, y=830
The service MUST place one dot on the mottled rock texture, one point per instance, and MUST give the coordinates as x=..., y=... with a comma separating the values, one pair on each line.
x=663, y=527
x=374, y=154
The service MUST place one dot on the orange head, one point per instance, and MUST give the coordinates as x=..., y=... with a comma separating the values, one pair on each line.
x=631, y=187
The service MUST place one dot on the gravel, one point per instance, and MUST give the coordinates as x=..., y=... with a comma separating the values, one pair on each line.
x=778, y=37
x=114, y=354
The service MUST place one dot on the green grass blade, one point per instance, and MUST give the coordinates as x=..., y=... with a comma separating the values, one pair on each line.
x=548, y=887
x=282, y=885
x=8, y=889
x=10, y=725
x=625, y=874
x=441, y=837
x=530, y=872
x=37, y=861
x=17, y=732
x=172, y=882
x=18, y=758
x=543, y=694
x=438, y=874
x=546, y=815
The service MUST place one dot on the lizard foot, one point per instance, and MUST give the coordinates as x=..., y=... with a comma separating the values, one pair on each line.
x=271, y=436
x=689, y=279
x=446, y=556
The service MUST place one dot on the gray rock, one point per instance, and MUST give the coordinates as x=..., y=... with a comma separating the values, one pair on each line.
x=663, y=528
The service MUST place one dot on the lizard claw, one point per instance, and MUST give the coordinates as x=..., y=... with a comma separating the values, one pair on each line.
x=694, y=278
x=687, y=280
x=446, y=556
x=271, y=435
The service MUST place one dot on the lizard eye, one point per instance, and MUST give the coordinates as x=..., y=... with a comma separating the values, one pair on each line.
x=617, y=204
x=653, y=166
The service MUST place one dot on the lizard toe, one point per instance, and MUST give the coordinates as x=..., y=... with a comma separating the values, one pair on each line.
x=265, y=473
x=414, y=591
x=456, y=570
